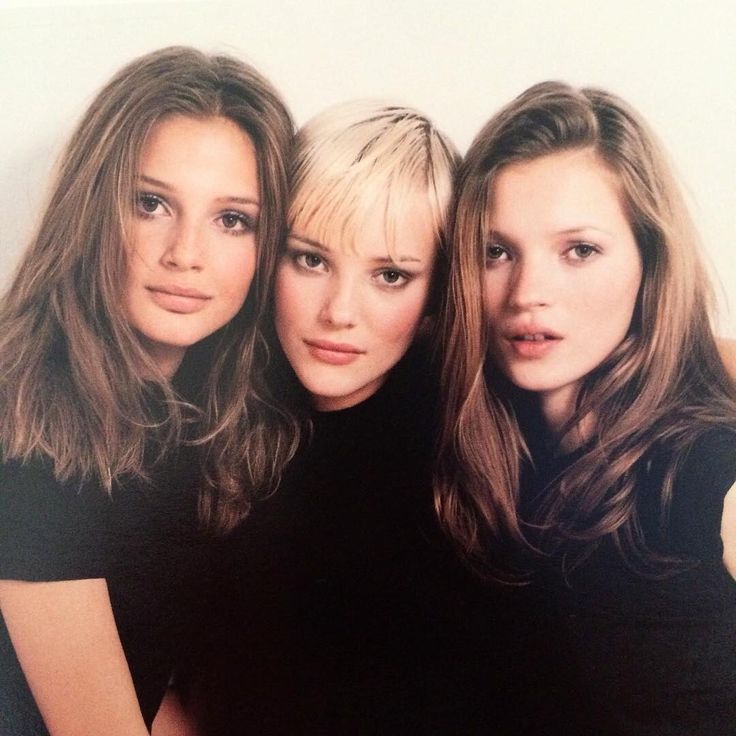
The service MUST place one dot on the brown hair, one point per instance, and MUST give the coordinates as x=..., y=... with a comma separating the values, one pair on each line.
x=71, y=367
x=665, y=383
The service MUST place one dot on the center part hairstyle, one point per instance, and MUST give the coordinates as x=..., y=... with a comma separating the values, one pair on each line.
x=75, y=382
x=664, y=384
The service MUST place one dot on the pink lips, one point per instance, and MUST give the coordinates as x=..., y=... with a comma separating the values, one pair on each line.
x=334, y=353
x=178, y=299
x=531, y=341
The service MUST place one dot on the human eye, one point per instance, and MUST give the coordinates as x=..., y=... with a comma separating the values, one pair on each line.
x=392, y=278
x=582, y=251
x=307, y=260
x=496, y=253
x=237, y=223
x=150, y=205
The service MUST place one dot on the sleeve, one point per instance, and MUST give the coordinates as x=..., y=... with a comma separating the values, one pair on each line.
x=705, y=475
x=49, y=530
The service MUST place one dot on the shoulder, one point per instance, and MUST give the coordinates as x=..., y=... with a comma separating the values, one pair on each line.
x=47, y=527
x=705, y=473
x=708, y=466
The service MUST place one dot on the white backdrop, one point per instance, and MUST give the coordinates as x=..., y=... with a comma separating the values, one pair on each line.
x=673, y=59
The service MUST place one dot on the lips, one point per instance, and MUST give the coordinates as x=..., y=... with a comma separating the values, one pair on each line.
x=334, y=353
x=532, y=342
x=178, y=299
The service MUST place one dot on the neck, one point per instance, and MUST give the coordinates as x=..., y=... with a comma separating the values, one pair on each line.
x=167, y=358
x=558, y=407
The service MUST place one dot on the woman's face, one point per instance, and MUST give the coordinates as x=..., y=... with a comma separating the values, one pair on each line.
x=562, y=273
x=345, y=316
x=193, y=249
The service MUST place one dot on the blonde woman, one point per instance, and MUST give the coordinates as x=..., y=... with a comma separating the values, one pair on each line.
x=341, y=608
x=131, y=390
x=602, y=371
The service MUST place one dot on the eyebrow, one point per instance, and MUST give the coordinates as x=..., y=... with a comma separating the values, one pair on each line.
x=163, y=185
x=583, y=228
x=380, y=260
x=497, y=233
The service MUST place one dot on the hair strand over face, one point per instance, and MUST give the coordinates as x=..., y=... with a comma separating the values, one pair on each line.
x=71, y=367
x=665, y=383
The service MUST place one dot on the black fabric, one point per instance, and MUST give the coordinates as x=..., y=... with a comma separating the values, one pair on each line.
x=342, y=609
x=143, y=540
x=657, y=656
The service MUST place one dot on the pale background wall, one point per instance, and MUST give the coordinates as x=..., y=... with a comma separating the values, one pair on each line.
x=673, y=59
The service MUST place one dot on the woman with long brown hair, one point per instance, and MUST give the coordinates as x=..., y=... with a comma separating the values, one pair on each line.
x=589, y=416
x=132, y=398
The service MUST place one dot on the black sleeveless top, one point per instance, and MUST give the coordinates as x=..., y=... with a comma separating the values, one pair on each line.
x=655, y=657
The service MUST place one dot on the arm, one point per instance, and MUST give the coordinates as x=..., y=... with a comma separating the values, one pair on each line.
x=173, y=719
x=67, y=643
x=728, y=531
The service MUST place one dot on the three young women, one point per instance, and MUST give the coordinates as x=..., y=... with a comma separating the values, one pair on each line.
x=131, y=391
x=589, y=415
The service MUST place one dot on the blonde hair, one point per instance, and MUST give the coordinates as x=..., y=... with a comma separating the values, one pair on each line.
x=360, y=160
x=71, y=366
x=364, y=156
x=664, y=384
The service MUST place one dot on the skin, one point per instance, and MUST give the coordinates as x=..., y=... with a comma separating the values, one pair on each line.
x=563, y=260
x=562, y=265
x=193, y=234
x=66, y=640
x=346, y=315
x=197, y=211
x=173, y=719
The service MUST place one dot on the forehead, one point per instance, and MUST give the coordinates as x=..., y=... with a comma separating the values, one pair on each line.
x=175, y=139
x=563, y=186
x=399, y=229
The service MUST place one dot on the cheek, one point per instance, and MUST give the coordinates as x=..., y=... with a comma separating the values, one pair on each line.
x=148, y=239
x=236, y=274
x=396, y=321
x=606, y=308
x=493, y=289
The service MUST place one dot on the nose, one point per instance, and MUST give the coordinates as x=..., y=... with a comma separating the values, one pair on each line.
x=531, y=284
x=183, y=250
x=339, y=305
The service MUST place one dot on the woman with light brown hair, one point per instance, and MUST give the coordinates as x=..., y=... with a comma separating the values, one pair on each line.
x=132, y=398
x=589, y=414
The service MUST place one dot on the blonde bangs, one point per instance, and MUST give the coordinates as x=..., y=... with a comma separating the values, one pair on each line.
x=362, y=160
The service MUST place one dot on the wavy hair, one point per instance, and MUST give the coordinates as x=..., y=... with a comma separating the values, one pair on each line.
x=72, y=369
x=663, y=385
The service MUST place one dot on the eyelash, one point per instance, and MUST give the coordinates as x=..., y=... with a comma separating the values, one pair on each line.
x=495, y=247
x=576, y=257
x=247, y=223
x=592, y=250
x=403, y=280
x=143, y=198
x=298, y=257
